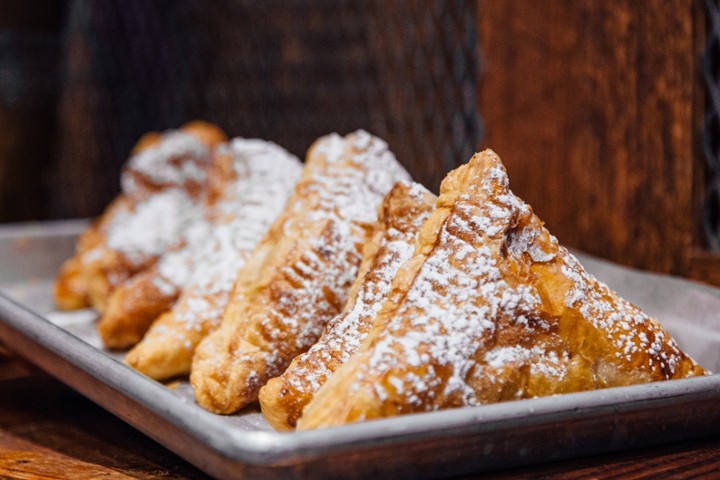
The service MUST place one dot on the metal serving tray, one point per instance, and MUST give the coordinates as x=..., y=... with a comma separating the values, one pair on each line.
x=426, y=445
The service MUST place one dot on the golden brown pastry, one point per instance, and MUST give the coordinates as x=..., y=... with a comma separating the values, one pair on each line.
x=135, y=241
x=136, y=303
x=70, y=288
x=400, y=217
x=491, y=308
x=163, y=186
x=299, y=276
x=173, y=159
x=263, y=177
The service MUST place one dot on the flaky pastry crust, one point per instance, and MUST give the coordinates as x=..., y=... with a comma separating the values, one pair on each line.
x=258, y=178
x=165, y=173
x=492, y=308
x=400, y=217
x=299, y=276
x=70, y=288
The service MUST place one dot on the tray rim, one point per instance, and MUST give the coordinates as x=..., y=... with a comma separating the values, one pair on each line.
x=272, y=449
x=44, y=228
x=268, y=448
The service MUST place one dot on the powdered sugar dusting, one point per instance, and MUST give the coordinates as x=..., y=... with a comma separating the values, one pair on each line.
x=342, y=187
x=323, y=272
x=265, y=175
x=344, y=334
x=353, y=194
x=246, y=212
x=164, y=191
x=541, y=361
x=621, y=320
x=314, y=257
x=154, y=226
x=178, y=160
x=451, y=306
x=175, y=266
x=355, y=174
x=474, y=309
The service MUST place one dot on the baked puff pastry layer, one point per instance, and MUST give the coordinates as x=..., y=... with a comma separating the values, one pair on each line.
x=247, y=185
x=70, y=289
x=163, y=192
x=299, y=276
x=258, y=180
x=400, y=217
x=492, y=308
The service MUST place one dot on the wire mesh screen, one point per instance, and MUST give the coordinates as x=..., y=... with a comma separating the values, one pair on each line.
x=29, y=50
x=287, y=71
x=711, y=131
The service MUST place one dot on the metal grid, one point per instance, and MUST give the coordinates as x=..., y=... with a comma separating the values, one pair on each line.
x=287, y=71
x=28, y=61
x=711, y=130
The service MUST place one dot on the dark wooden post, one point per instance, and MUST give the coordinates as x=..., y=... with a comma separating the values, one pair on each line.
x=29, y=37
x=595, y=108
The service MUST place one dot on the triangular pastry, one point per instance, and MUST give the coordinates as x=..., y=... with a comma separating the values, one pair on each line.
x=400, y=217
x=491, y=308
x=70, y=289
x=134, y=304
x=246, y=176
x=263, y=177
x=299, y=275
x=163, y=188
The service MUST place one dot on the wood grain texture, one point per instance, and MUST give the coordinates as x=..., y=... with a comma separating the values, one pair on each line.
x=29, y=36
x=703, y=266
x=20, y=459
x=591, y=105
x=693, y=460
x=45, y=427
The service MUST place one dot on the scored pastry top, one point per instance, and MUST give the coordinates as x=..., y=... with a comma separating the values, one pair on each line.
x=300, y=274
x=333, y=209
x=262, y=176
x=405, y=209
x=492, y=309
x=401, y=214
x=250, y=185
x=351, y=174
x=421, y=304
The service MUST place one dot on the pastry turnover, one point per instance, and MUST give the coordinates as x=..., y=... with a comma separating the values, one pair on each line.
x=299, y=276
x=491, y=308
x=263, y=176
x=135, y=304
x=163, y=189
x=70, y=287
x=400, y=217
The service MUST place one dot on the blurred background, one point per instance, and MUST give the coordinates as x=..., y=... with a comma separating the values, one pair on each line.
x=605, y=112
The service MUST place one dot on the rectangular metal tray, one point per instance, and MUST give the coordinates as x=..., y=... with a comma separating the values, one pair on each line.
x=429, y=445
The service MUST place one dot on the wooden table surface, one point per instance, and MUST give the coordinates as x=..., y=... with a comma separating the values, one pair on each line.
x=47, y=431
